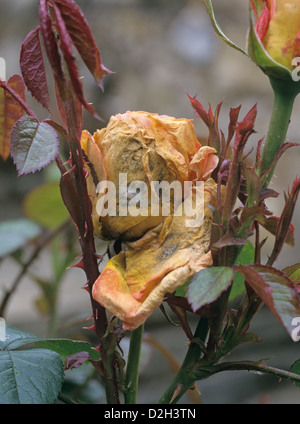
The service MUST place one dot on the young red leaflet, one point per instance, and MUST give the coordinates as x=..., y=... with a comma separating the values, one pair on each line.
x=10, y=111
x=83, y=39
x=66, y=48
x=33, y=68
x=51, y=47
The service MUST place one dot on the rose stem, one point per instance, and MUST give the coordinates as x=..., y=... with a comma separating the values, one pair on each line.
x=185, y=378
x=132, y=368
x=285, y=93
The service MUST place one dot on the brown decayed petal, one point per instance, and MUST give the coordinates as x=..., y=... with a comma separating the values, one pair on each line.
x=146, y=147
x=135, y=281
x=96, y=173
x=203, y=163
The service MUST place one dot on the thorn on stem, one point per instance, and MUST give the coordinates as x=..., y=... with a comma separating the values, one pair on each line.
x=86, y=229
x=97, y=348
x=99, y=256
x=178, y=389
x=68, y=162
x=72, y=169
x=92, y=328
x=86, y=288
x=80, y=264
x=85, y=172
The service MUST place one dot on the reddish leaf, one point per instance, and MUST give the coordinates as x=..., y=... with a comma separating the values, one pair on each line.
x=284, y=223
x=207, y=117
x=82, y=37
x=210, y=120
x=233, y=115
x=10, y=112
x=51, y=47
x=58, y=128
x=66, y=48
x=259, y=212
x=33, y=68
x=271, y=224
x=60, y=105
x=20, y=99
x=245, y=128
x=75, y=360
x=70, y=198
x=228, y=240
x=182, y=302
x=276, y=289
x=265, y=193
x=283, y=148
x=253, y=184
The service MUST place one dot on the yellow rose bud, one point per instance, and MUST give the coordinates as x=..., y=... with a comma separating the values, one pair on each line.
x=278, y=27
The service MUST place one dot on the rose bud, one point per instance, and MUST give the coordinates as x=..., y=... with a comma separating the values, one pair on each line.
x=274, y=40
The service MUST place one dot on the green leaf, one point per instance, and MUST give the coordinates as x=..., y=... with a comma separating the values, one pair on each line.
x=33, y=145
x=32, y=376
x=16, y=234
x=295, y=368
x=245, y=257
x=16, y=338
x=66, y=347
x=253, y=185
x=45, y=206
x=181, y=290
x=217, y=28
x=276, y=289
x=293, y=272
x=207, y=285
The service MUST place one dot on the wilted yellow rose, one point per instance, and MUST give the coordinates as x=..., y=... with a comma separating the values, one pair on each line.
x=135, y=282
x=160, y=252
x=278, y=27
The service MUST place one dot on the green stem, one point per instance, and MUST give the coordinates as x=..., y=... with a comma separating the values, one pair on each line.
x=110, y=380
x=185, y=377
x=132, y=369
x=254, y=366
x=65, y=399
x=285, y=93
x=216, y=324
